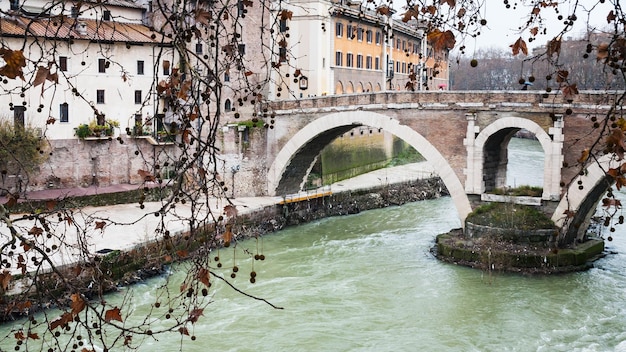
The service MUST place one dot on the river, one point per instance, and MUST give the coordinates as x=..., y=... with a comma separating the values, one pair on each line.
x=368, y=282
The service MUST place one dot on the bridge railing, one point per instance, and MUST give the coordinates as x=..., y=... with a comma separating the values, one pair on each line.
x=451, y=99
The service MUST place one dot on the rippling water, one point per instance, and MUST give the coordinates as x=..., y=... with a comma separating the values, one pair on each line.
x=525, y=166
x=368, y=282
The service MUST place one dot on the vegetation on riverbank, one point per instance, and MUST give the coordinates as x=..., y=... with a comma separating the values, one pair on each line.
x=508, y=215
x=521, y=191
x=407, y=156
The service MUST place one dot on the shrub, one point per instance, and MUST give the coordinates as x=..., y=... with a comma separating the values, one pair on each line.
x=21, y=148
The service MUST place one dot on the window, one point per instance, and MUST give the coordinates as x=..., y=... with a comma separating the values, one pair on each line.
x=359, y=61
x=63, y=63
x=64, y=112
x=377, y=63
x=140, y=67
x=242, y=49
x=359, y=34
x=368, y=36
x=100, y=96
x=282, y=54
x=102, y=65
x=398, y=44
x=350, y=32
x=415, y=50
x=378, y=38
x=368, y=62
x=106, y=15
x=19, y=112
x=404, y=67
x=166, y=67
x=137, y=97
x=74, y=12
x=15, y=5
x=199, y=48
x=398, y=66
x=339, y=29
x=349, y=60
x=240, y=8
x=404, y=45
x=338, y=59
x=227, y=105
x=283, y=25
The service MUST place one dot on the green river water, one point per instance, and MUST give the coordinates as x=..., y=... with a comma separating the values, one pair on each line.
x=368, y=282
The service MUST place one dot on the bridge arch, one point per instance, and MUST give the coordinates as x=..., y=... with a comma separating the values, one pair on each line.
x=552, y=148
x=577, y=206
x=308, y=142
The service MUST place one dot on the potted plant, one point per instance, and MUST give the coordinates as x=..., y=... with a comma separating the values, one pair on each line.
x=94, y=130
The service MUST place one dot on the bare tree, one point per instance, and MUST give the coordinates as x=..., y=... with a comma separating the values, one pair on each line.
x=205, y=57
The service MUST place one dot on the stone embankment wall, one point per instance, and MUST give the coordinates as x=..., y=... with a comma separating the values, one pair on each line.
x=144, y=260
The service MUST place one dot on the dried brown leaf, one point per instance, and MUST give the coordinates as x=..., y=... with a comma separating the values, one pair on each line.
x=113, y=314
x=285, y=15
x=195, y=314
x=204, y=276
x=146, y=175
x=230, y=211
x=441, y=40
x=5, y=279
x=78, y=303
x=100, y=225
x=35, y=231
x=60, y=321
x=14, y=62
x=611, y=17
x=519, y=46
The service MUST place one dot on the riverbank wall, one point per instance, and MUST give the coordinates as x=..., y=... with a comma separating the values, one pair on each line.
x=147, y=259
x=115, y=268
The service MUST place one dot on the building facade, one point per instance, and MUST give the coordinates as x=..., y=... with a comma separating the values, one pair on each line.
x=344, y=47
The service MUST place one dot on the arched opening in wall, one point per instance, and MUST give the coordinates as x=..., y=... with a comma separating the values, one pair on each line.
x=513, y=159
x=339, y=88
x=227, y=105
x=349, y=88
x=368, y=87
x=359, y=87
x=378, y=87
x=397, y=87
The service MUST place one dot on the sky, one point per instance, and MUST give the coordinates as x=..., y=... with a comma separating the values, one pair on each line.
x=502, y=23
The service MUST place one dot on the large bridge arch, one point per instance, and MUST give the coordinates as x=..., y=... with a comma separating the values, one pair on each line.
x=307, y=143
x=552, y=147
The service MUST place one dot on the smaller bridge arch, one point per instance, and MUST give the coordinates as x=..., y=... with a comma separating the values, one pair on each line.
x=552, y=147
x=307, y=143
x=577, y=206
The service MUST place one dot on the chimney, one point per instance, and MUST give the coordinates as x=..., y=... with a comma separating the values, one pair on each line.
x=81, y=28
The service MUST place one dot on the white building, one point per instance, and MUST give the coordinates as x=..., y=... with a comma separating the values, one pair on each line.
x=105, y=59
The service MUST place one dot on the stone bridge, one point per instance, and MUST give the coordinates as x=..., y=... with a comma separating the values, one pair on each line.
x=463, y=134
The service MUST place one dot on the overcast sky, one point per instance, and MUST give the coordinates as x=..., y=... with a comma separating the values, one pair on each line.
x=502, y=24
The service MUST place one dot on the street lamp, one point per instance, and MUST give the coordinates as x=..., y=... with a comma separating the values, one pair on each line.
x=303, y=83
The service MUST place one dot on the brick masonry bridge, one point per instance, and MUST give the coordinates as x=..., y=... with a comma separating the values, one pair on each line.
x=463, y=134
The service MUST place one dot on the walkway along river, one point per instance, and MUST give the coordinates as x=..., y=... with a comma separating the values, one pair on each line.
x=367, y=282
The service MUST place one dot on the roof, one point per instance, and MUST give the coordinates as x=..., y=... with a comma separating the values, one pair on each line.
x=121, y=3
x=63, y=27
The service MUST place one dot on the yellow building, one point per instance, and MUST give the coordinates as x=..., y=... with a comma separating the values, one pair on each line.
x=343, y=47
